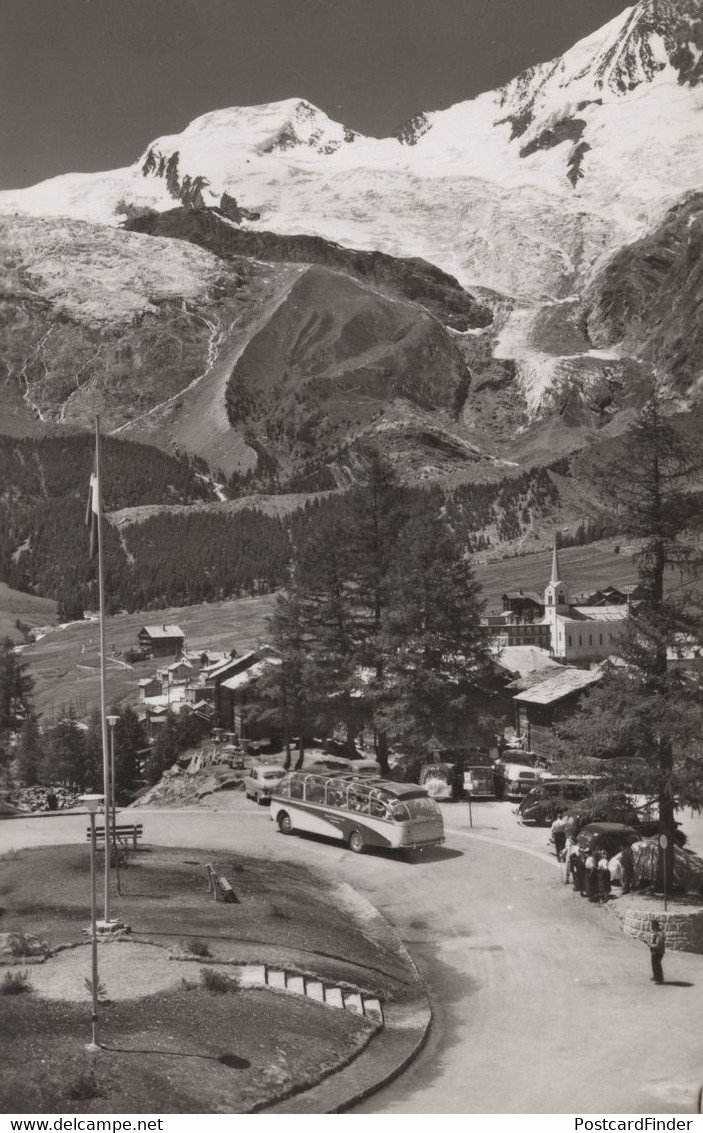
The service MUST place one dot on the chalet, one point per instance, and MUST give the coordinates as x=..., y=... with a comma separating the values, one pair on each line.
x=150, y=686
x=162, y=641
x=524, y=604
x=237, y=692
x=180, y=672
x=155, y=719
x=550, y=700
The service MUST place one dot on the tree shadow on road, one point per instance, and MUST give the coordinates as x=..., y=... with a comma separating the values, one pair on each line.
x=677, y=983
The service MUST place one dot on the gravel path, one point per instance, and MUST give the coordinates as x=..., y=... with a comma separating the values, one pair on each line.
x=127, y=971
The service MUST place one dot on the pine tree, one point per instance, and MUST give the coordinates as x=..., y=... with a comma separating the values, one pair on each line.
x=282, y=693
x=65, y=751
x=435, y=645
x=377, y=511
x=16, y=690
x=130, y=741
x=327, y=609
x=646, y=713
x=29, y=752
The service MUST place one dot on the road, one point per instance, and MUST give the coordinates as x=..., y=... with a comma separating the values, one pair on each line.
x=541, y=1005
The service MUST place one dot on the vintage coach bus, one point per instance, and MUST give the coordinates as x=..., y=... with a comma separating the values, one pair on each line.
x=362, y=812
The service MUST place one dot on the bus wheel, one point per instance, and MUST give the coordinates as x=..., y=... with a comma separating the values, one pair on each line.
x=356, y=842
x=284, y=823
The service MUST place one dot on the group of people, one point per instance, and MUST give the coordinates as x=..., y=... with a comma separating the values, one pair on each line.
x=588, y=872
x=590, y=876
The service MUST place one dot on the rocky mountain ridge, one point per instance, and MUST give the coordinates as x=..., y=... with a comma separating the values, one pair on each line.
x=532, y=259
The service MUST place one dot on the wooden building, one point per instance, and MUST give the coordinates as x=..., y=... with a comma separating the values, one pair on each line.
x=162, y=641
x=548, y=701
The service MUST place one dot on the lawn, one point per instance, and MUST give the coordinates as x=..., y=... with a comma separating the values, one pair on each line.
x=183, y=1049
x=15, y=606
x=65, y=664
x=582, y=569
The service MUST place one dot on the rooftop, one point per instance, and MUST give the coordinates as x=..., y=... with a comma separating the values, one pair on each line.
x=523, y=659
x=559, y=685
x=163, y=631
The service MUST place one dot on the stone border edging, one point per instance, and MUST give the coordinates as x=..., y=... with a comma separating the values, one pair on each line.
x=386, y=1055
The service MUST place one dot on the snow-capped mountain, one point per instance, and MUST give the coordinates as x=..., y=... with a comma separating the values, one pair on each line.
x=556, y=193
x=521, y=189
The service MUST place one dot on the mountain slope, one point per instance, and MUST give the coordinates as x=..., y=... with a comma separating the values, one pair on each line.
x=648, y=300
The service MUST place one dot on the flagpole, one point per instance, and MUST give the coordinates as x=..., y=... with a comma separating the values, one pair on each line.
x=103, y=692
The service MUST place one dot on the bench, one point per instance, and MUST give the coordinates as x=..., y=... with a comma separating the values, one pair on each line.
x=220, y=887
x=124, y=833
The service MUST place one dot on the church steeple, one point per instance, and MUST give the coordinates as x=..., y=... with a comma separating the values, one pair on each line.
x=555, y=593
x=556, y=577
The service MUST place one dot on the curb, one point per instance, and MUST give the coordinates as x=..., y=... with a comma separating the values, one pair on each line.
x=389, y=1051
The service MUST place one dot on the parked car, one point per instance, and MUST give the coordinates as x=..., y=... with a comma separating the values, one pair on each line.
x=608, y=806
x=337, y=765
x=261, y=782
x=544, y=801
x=609, y=836
x=437, y=778
x=515, y=780
x=478, y=781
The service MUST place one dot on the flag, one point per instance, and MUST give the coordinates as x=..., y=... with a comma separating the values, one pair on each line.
x=92, y=512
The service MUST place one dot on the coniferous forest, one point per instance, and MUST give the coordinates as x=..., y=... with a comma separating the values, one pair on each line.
x=188, y=556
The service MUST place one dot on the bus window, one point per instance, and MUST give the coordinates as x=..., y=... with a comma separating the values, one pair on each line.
x=296, y=788
x=315, y=790
x=335, y=794
x=422, y=808
x=284, y=788
x=357, y=800
x=377, y=808
x=398, y=811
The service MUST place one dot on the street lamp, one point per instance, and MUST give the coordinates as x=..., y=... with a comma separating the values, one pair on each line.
x=112, y=720
x=92, y=803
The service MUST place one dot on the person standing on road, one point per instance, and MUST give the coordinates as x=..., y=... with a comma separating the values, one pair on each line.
x=576, y=863
x=657, y=948
x=627, y=863
x=559, y=834
x=567, y=858
x=603, y=877
x=591, y=878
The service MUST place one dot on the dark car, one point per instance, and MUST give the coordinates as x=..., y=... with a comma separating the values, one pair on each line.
x=615, y=807
x=609, y=836
x=544, y=802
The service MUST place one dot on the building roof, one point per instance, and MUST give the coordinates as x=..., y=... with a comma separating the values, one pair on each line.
x=602, y=613
x=163, y=631
x=522, y=659
x=526, y=595
x=242, y=660
x=561, y=684
x=177, y=664
x=149, y=680
x=248, y=676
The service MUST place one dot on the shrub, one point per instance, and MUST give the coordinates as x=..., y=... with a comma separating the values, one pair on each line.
x=23, y=945
x=85, y=1086
x=15, y=983
x=196, y=947
x=102, y=990
x=217, y=983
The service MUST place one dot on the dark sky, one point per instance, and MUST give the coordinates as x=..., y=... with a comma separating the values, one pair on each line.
x=86, y=84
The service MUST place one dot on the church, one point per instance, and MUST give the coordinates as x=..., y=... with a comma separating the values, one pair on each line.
x=580, y=635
